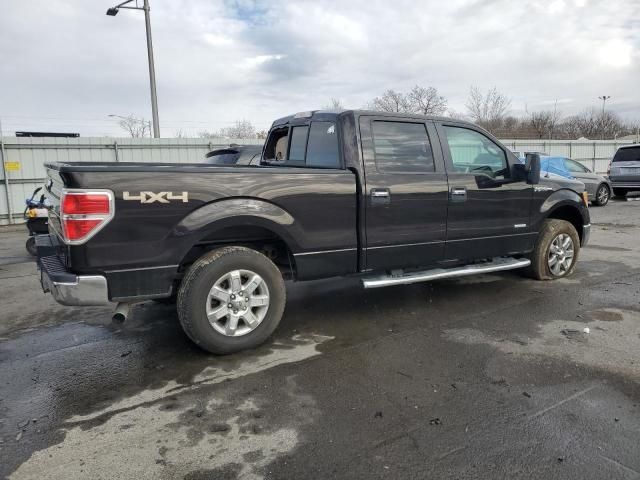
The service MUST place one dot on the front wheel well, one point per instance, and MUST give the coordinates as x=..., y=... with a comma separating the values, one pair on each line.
x=571, y=215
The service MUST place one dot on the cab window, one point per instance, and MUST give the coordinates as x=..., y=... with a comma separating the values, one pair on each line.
x=473, y=152
x=402, y=147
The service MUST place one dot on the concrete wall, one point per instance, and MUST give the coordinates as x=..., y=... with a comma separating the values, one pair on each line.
x=24, y=157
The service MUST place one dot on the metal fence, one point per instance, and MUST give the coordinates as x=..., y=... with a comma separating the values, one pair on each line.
x=23, y=158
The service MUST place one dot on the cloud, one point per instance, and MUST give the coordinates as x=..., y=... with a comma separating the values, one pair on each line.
x=67, y=65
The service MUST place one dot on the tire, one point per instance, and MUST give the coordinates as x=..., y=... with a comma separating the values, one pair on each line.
x=620, y=192
x=551, y=230
x=31, y=246
x=248, y=322
x=603, y=193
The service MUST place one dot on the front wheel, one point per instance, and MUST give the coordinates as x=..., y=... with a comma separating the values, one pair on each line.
x=556, y=251
x=602, y=196
x=231, y=299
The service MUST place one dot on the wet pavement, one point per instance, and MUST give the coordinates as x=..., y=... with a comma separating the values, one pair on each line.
x=481, y=377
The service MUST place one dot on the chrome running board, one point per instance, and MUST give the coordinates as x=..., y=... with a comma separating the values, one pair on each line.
x=498, y=264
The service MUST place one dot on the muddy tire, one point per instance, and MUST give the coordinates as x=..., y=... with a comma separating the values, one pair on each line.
x=231, y=299
x=556, y=251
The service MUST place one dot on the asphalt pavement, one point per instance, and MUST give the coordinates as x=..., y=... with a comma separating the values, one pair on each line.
x=482, y=377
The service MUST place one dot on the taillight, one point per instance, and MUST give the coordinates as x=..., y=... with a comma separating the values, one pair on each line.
x=84, y=213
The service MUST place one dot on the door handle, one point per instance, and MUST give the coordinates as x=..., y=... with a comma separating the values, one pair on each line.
x=380, y=196
x=458, y=194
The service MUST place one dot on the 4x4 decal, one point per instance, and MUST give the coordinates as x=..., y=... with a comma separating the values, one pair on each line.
x=160, y=197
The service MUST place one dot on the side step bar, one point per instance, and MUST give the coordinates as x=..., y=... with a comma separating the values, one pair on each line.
x=496, y=265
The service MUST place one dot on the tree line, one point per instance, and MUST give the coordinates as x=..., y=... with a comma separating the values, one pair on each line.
x=490, y=109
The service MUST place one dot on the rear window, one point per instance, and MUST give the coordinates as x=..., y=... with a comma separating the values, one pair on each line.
x=298, y=144
x=627, y=155
x=322, y=150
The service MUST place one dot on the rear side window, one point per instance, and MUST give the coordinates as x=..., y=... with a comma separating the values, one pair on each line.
x=298, y=143
x=402, y=147
x=627, y=155
x=322, y=150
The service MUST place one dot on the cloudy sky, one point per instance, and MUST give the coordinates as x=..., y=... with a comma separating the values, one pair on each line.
x=65, y=65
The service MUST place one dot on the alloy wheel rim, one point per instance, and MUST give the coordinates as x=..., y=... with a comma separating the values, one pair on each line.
x=237, y=303
x=561, y=253
x=603, y=194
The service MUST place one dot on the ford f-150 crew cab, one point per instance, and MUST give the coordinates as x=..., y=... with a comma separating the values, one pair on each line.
x=391, y=198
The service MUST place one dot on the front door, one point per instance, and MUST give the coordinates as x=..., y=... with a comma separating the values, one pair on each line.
x=488, y=215
x=405, y=191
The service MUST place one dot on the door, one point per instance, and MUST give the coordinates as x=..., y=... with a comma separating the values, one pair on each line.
x=488, y=213
x=406, y=193
x=583, y=174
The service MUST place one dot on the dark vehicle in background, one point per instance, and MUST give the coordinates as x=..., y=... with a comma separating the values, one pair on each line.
x=390, y=198
x=235, y=155
x=624, y=170
x=37, y=216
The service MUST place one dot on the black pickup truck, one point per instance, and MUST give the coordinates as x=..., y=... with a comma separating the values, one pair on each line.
x=391, y=198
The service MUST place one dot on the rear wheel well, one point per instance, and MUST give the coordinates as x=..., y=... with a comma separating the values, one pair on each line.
x=571, y=215
x=260, y=239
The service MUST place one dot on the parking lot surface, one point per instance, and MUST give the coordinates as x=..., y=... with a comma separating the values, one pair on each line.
x=481, y=377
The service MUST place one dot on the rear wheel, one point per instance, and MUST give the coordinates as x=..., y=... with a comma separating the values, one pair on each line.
x=556, y=251
x=231, y=299
x=620, y=192
x=602, y=195
x=31, y=246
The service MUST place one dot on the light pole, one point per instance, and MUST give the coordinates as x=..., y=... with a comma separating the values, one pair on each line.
x=112, y=12
x=604, y=99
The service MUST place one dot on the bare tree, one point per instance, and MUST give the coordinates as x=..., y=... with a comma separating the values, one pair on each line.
x=392, y=101
x=487, y=110
x=544, y=122
x=135, y=127
x=334, y=104
x=426, y=101
x=241, y=129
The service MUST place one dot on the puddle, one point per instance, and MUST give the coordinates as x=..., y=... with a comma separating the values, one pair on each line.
x=613, y=345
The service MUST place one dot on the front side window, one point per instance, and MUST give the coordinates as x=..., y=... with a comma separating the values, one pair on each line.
x=402, y=147
x=473, y=152
x=322, y=150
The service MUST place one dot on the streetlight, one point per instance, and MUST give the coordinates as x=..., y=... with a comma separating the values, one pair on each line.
x=604, y=99
x=112, y=12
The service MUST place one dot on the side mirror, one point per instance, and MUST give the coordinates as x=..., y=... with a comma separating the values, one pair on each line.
x=532, y=168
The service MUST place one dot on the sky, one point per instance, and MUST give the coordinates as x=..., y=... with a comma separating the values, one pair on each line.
x=66, y=66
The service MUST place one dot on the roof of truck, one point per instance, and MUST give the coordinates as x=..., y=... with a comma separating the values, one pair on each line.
x=329, y=114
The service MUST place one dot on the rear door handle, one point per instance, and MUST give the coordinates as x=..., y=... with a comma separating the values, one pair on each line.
x=458, y=194
x=380, y=196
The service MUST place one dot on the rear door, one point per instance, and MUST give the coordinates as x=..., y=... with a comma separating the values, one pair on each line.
x=488, y=215
x=406, y=193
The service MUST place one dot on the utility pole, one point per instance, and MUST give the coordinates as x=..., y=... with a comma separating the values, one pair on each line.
x=604, y=99
x=112, y=12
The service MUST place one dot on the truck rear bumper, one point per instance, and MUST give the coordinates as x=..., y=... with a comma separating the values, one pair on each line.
x=68, y=288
